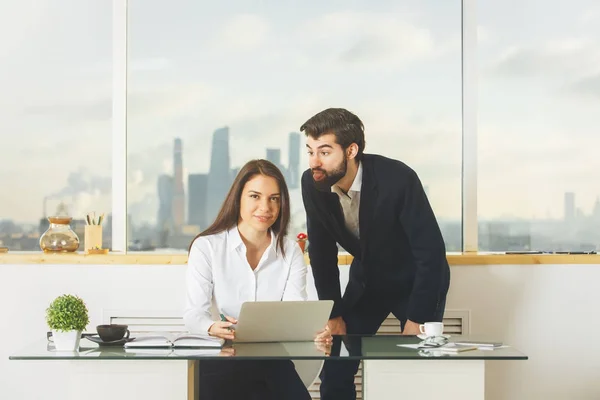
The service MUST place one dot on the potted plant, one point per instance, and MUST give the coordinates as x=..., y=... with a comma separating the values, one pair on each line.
x=67, y=316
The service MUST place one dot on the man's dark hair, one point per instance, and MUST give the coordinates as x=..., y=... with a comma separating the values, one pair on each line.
x=346, y=127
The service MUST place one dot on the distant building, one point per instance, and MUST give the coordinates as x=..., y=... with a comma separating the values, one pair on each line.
x=293, y=170
x=219, y=174
x=178, y=201
x=197, y=200
x=164, y=220
x=569, y=207
x=274, y=155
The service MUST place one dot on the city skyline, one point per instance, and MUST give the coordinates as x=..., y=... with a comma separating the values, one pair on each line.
x=182, y=209
x=222, y=180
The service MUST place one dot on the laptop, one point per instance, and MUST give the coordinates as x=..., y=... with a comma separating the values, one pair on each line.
x=281, y=321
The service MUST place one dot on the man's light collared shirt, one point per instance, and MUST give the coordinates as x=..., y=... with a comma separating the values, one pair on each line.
x=351, y=202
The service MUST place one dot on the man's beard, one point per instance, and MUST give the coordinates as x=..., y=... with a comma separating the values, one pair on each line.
x=332, y=177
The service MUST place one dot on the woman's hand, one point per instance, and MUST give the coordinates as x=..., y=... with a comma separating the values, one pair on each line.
x=223, y=329
x=324, y=336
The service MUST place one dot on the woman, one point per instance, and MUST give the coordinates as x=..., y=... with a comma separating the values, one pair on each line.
x=245, y=256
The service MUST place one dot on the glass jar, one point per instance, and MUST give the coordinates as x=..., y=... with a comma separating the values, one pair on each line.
x=59, y=237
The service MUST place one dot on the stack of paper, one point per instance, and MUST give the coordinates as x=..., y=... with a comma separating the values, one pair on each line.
x=447, y=348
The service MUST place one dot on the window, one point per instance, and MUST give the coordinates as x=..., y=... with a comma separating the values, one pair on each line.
x=55, y=117
x=539, y=92
x=213, y=85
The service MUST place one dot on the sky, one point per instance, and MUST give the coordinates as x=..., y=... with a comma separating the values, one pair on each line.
x=263, y=67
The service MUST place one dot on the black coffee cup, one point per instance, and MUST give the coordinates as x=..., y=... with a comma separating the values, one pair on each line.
x=112, y=332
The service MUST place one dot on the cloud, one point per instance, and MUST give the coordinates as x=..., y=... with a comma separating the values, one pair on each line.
x=84, y=192
x=591, y=16
x=163, y=101
x=95, y=110
x=84, y=181
x=144, y=167
x=148, y=64
x=243, y=32
x=484, y=35
x=18, y=21
x=588, y=86
x=569, y=56
x=373, y=40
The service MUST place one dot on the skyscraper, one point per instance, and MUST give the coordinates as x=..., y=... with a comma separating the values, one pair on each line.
x=569, y=206
x=219, y=175
x=164, y=221
x=596, y=210
x=274, y=155
x=293, y=178
x=197, y=190
x=178, y=189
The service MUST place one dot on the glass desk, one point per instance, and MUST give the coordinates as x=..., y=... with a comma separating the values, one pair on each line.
x=389, y=369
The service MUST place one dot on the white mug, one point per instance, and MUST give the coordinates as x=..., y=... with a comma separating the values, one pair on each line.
x=432, y=328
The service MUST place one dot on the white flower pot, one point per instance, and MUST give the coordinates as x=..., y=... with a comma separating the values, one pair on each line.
x=66, y=341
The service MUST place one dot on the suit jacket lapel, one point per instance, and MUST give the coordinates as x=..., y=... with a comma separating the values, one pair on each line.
x=368, y=195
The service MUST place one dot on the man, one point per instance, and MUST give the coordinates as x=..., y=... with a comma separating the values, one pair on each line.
x=376, y=209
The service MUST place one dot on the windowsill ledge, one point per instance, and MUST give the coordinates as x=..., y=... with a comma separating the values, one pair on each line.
x=141, y=258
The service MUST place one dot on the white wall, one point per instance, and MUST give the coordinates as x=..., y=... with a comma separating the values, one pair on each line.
x=26, y=291
x=542, y=310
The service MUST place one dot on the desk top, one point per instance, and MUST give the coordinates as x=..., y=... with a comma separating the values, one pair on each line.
x=358, y=347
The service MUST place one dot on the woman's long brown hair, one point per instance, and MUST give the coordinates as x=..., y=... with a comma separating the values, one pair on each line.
x=229, y=214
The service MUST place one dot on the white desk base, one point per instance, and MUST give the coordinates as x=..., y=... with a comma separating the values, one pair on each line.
x=424, y=379
x=124, y=379
x=154, y=379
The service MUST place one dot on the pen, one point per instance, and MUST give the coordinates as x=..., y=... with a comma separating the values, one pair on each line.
x=224, y=319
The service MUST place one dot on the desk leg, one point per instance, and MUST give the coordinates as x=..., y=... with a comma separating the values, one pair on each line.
x=424, y=379
x=193, y=380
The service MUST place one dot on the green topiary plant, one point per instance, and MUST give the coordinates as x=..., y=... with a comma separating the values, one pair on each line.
x=66, y=313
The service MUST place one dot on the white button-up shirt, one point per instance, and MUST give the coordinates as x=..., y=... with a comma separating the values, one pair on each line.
x=350, y=202
x=219, y=278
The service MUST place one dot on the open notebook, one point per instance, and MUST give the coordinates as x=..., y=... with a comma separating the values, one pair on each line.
x=182, y=340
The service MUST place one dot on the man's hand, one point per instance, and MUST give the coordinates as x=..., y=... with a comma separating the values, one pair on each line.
x=324, y=336
x=337, y=326
x=324, y=347
x=411, y=328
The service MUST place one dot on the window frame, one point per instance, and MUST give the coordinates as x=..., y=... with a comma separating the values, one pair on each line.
x=469, y=222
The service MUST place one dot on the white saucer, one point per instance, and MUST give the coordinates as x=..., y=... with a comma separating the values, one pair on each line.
x=423, y=337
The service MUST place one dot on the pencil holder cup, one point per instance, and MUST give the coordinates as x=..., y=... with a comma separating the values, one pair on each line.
x=93, y=237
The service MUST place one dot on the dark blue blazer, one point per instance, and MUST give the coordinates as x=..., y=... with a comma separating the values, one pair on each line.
x=401, y=254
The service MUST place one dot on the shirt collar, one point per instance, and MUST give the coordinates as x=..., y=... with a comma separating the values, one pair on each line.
x=235, y=240
x=356, y=183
